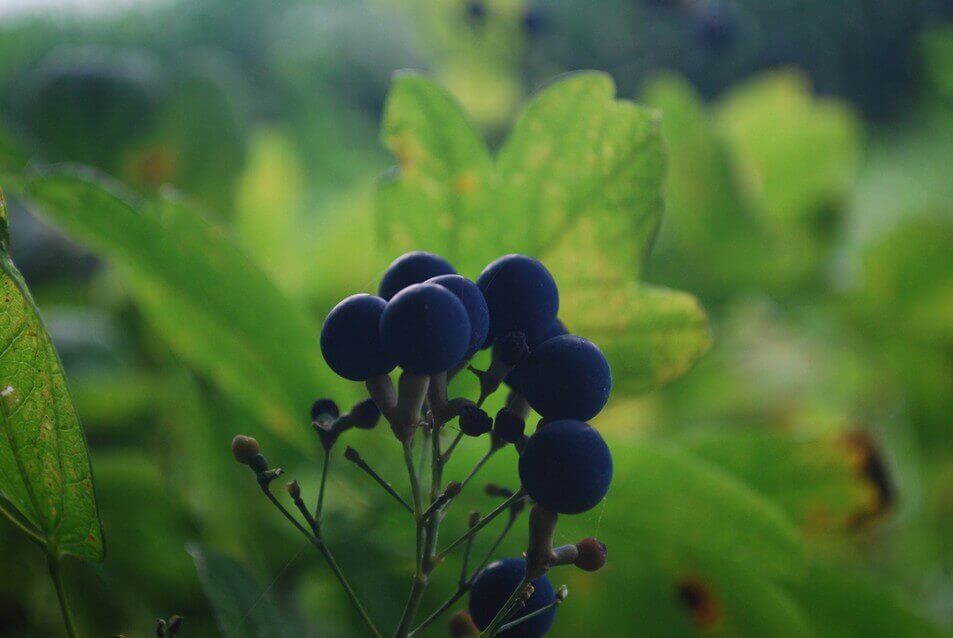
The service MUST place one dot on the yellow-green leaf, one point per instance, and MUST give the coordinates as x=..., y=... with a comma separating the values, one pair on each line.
x=45, y=471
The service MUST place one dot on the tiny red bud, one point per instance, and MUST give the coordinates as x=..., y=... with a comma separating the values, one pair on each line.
x=462, y=625
x=592, y=554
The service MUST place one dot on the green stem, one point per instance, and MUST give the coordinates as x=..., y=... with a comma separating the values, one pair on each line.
x=447, y=604
x=452, y=447
x=478, y=466
x=530, y=616
x=420, y=577
x=319, y=510
x=32, y=534
x=361, y=463
x=505, y=611
x=57, y=579
x=482, y=523
x=329, y=559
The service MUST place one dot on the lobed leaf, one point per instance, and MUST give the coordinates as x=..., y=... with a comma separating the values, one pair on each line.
x=45, y=470
x=578, y=184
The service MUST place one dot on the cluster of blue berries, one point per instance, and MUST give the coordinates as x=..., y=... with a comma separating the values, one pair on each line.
x=431, y=322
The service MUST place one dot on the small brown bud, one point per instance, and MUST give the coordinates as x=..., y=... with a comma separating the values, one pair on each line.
x=462, y=626
x=244, y=449
x=453, y=489
x=294, y=490
x=494, y=489
x=592, y=554
x=474, y=519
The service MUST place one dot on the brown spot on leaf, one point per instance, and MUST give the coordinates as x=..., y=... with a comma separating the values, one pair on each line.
x=698, y=599
x=866, y=458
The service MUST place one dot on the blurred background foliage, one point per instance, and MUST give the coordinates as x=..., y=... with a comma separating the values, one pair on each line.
x=798, y=481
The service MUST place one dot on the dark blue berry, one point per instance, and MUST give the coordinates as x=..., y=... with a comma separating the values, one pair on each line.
x=365, y=414
x=556, y=329
x=509, y=425
x=472, y=299
x=425, y=329
x=412, y=268
x=350, y=339
x=521, y=295
x=474, y=421
x=496, y=584
x=566, y=467
x=566, y=378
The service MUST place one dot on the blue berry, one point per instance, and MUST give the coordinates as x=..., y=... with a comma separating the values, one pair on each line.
x=472, y=299
x=509, y=425
x=412, y=268
x=521, y=295
x=350, y=339
x=425, y=329
x=515, y=378
x=566, y=378
x=494, y=586
x=566, y=467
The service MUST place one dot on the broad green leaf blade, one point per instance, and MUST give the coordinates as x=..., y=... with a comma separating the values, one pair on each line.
x=242, y=604
x=844, y=606
x=582, y=173
x=651, y=335
x=796, y=153
x=822, y=483
x=45, y=470
x=217, y=308
x=438, y=198
x=578, y=184
x=672, y=497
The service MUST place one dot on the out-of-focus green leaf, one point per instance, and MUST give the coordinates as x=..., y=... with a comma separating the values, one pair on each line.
x=578, y=184
x=796, y=153
x=45, y=470
x=201, y=291
x=242, y=604
x=820, y=482
x=438, y=200
x=906, y=284
x=672, y=497
x=652, y=335
x=842, y=606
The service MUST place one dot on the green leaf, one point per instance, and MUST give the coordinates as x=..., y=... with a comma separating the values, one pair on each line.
x=796, y=153
x=672, y=498
x=242, y=604
x=217, y=308
x=578, y=184
x=651, y=335
x=820, y=482
x=45, y=471
x=844, y=606
x=438, y=198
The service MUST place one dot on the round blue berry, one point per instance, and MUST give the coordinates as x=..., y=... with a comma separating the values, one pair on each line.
x=494, y=586
x=350, y=339
x=521, y=295
x=425, y=329
x=515, y=377
x=566, y=467
x=412, y=268
x=472, y=299
x=566, y=377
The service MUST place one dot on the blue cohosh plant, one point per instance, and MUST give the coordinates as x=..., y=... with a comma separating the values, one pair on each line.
x=429, y=321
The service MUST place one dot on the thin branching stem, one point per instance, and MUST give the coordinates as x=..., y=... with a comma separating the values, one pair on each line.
x=319, y=509
x=483, y=522
x=57, y=578
x=361, y=463
x=531, y=615
x=506, y=610
x=328, y=557
x=479, y=465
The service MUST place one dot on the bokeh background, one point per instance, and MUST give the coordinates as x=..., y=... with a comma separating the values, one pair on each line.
x=809, y=210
